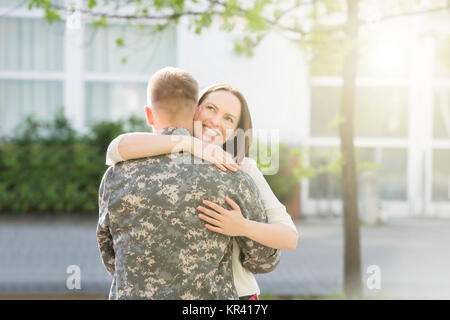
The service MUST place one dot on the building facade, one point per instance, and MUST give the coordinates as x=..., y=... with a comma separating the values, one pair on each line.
x=402, y=116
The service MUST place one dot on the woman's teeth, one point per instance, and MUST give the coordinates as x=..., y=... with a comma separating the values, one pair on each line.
x=211, y=132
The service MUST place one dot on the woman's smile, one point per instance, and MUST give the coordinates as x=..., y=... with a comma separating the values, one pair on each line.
x=210, y=134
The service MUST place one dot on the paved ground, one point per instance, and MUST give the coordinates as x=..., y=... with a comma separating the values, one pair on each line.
x=413, y=256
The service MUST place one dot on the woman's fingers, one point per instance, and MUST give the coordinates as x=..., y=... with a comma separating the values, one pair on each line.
x=210, y=213
x=215, y=207
x=220, y=166
x=224, y=157
x=212, y=221
x=231, y=166
x=228, y=159
x=215, y=229
x=232, y=203
x=219, y=157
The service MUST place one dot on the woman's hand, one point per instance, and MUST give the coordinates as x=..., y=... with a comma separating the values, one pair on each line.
x=214, y=154
x=221, y=220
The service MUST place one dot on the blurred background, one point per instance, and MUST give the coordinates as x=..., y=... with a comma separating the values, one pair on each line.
x=67, y=90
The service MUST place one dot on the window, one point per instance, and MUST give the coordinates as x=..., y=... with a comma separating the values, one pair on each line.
x=325, y=185
x=324, y=109
x=441, y=115
x=20, y=98
x=36, y=50
x=31, y=45
x=379, y=112
x=32, y=68
x=114, y=101
x=441, y=175
x=107, y=95
x=391, y=172
x=442, y=60
x=144, y=52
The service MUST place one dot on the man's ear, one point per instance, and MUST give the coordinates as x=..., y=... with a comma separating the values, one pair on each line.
x=149, y=116
x=197, y=112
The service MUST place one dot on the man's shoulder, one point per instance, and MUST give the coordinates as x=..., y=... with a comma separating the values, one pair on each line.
x=243, y=182
x=184, y=166
x=133, y=166
x=108, y=173
x=142, y=161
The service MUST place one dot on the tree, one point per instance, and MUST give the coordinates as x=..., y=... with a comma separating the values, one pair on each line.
x=309, y=23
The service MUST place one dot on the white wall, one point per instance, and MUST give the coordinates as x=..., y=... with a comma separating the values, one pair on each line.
x=274, y=80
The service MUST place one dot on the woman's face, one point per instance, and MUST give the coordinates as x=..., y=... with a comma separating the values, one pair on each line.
x=219, y=115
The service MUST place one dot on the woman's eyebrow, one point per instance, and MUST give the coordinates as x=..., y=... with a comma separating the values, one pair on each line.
x=207, y=102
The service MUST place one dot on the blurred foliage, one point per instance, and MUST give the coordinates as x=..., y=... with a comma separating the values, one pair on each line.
x=285, y=184
x=332, y=161
x=317, y=27
x=49, y=168
x=294, y=167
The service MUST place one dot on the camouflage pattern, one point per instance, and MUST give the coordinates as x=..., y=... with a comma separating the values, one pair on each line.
x=151, y=239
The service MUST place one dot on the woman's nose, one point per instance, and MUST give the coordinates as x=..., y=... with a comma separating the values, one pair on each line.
x=215, y=121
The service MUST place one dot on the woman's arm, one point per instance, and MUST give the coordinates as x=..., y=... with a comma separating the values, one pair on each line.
x=233, y=223
x=277, y=235
x=142, y=144
x=280, y=231
x=137, y=145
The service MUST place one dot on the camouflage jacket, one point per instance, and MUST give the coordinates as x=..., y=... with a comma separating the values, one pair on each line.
x=151, y=239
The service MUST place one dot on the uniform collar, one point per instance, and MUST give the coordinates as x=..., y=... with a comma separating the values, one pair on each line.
x=180, y=131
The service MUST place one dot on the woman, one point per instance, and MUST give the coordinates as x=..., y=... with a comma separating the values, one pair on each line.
x=222, y=116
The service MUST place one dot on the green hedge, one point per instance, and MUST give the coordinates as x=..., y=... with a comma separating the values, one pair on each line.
x=49, y=168
x=285, y=184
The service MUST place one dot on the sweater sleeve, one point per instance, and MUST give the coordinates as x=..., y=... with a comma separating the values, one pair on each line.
x=112, y=154
x=275, y=210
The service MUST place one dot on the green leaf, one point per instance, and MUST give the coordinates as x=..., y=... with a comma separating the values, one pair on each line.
x=178, y=5
x=231, y=10
x=51, y=15
x=203, y=21
x=120, y=42
x=277, y=14
x=158, y=4
x=101, y=22
x=255, y=19
x=243, y=47
x=92, y=4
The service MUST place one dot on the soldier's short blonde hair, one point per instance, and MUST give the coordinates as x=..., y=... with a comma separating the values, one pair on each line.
x=173, y=89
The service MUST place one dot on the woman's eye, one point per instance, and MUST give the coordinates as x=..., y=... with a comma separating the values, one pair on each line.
x=210, y=108
x=229, y=119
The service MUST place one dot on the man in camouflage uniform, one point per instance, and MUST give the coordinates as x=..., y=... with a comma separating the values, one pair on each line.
x=150, y=237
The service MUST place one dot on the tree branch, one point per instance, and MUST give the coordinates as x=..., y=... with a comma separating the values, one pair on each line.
x=241, y=12
x=169, y=16
x=406, y=14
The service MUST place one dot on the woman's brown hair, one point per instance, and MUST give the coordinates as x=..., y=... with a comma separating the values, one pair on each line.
x=241, y=142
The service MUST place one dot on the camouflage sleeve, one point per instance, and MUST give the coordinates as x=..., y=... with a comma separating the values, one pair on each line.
x=254, y=256
x=104, y=237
